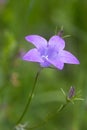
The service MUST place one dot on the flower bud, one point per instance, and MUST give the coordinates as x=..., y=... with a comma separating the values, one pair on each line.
x=71, y=92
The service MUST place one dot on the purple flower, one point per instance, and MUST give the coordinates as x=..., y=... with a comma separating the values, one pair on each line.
x=49, y=53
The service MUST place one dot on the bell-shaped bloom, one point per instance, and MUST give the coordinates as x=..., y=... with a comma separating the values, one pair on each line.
x=48, y=53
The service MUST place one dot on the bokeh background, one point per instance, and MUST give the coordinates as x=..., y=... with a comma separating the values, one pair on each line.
x=42, y=17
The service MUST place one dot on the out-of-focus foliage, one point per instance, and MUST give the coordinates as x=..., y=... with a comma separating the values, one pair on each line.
x=19, y=18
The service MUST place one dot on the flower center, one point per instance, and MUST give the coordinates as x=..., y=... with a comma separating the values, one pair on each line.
x=44, y=57
x=47, y=54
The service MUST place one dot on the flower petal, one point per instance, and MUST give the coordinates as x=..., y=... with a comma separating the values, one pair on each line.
x=56, y=42
x=37, y=40
x=57, y=63
x=67, y=57
x=33, y=56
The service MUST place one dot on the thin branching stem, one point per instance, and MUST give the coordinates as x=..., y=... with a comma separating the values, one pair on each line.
x=49, y=116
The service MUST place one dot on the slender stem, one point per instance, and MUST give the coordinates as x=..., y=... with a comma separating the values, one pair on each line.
x=29, y=97
x=49, y=116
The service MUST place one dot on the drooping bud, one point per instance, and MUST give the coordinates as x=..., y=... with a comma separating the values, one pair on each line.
x=60, y=33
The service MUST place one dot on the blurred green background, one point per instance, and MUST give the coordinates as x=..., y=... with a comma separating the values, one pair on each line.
x=25, y=17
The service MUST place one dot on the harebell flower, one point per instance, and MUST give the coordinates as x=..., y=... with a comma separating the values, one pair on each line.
x=48, y=53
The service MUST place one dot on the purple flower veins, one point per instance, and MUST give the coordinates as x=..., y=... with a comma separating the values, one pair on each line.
x=49, y=53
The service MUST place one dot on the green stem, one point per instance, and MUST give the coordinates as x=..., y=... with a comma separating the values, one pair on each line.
x=49, y=116
x=29, y=97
